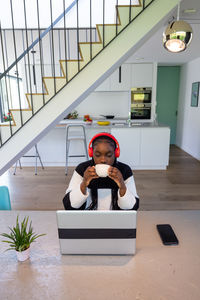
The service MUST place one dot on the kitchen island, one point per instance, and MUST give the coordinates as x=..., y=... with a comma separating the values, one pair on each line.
x=143, y=145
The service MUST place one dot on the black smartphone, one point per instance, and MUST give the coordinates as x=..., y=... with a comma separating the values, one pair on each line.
x=167, y=234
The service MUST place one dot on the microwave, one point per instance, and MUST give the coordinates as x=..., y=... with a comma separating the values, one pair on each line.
x=141, y=95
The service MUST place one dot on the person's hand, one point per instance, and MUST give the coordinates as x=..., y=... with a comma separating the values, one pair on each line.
x=116, y=175
x=89, y=174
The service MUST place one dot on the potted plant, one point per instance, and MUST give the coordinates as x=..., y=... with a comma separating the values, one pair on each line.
x=72, y=115
x=20, y=237
x=7, y=117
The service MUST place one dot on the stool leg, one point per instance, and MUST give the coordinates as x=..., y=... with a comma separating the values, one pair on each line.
x=86, y=152
x=85, y=144
x=14, y=173
x=36, y=164
x=67, y=152
x=39, y=156
x=20, y=164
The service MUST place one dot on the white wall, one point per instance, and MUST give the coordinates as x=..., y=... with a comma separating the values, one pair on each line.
x=105, y=103
x=188, y=122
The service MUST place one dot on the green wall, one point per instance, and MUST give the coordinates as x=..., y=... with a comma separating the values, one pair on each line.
x=167, y=97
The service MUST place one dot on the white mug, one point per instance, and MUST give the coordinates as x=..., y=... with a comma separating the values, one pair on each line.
x=102, y=170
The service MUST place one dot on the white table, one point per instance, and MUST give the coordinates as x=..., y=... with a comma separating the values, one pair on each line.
x=155, y=272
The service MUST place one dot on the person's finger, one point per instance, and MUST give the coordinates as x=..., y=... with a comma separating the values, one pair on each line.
x=110, y=171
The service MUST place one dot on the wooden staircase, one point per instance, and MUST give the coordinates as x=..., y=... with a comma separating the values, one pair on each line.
x=106, y=33
x=93, y=72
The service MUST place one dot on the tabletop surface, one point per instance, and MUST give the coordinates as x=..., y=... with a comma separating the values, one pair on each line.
x=155, y=272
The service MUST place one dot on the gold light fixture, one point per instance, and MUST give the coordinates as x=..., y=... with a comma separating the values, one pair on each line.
x=177, y=35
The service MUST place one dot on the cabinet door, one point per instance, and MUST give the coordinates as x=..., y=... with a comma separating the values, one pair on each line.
x=129, y=142
x=120, y=80
x=91, y=132
x=104, y=86
x=141, y=75
x=155, y=147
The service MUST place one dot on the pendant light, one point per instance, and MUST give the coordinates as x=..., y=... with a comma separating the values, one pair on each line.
x=177, y=35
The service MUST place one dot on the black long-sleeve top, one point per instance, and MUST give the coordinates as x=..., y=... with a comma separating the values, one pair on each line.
x=102, y=192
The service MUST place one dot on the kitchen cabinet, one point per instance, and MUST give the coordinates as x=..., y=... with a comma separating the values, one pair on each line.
x=91, y=132
x=155, y=147
x=142, y=75
x=129, y=145
x=144, y=148
x=120, y=80
x=132, y=75
x=141, y=147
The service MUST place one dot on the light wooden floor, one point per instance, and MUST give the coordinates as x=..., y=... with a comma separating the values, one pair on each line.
x=176, y=188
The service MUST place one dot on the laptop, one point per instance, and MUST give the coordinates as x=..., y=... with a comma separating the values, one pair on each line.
x=97, y=232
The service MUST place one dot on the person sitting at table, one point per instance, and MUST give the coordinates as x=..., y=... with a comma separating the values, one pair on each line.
x=87, y=190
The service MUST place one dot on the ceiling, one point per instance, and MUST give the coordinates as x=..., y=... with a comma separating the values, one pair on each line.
x=153, y=50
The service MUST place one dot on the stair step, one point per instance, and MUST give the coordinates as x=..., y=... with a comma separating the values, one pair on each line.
x=125, y=13
x=71, y=66
x=107, y=32
x=37, y=101
x=88, y=50
x=26, y=114
x=17, y=119
x=53, y=85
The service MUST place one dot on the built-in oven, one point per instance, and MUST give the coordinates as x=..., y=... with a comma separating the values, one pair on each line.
x=141, y=95
x=141, y=103
x=143, y=112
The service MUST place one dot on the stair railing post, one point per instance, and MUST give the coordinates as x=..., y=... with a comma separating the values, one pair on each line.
x=41, y=55
x=26, y=75
x=130, y=12
x=65, y=42
x=77, y=23
x=33, y=60
x=8, y=77
x=90, y=29
x=28, y=57
x=103, y=23
x=59, y=49
x=116, y=19
x=17, y=71
x=52, y=40
x=6, y=87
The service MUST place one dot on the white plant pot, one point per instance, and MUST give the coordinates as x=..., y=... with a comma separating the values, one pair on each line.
x=22, y=256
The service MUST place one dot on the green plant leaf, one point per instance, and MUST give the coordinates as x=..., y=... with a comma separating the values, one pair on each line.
x=21, y=235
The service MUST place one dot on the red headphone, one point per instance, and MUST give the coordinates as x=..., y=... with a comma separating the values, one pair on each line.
x=117, y=149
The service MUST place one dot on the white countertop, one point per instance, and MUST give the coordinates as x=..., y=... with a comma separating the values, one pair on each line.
x=155, y=272
x=114, y=123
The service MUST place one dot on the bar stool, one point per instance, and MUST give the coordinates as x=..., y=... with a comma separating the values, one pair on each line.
x=77, y=133
x=37, y=155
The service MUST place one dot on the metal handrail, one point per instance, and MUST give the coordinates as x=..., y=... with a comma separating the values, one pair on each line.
x=80, y=67
x=38, y=39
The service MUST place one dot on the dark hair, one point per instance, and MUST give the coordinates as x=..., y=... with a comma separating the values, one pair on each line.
x=106, y=139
